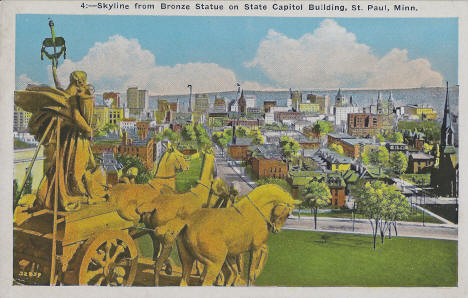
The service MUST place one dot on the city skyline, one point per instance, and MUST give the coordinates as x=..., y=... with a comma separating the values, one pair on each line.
x=213, y=53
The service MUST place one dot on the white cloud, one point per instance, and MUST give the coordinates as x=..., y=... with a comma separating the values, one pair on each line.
x=23, y=81
x=331, y=57
x=120, y=63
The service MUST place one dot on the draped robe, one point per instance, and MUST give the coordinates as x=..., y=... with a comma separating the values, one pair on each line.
x=79, y=180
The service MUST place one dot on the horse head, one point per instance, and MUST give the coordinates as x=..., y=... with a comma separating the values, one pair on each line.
x=279, y=215
x=172, y=162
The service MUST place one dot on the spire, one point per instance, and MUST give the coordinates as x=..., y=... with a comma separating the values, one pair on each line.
x=351, y=100
x=390, y=98
x=379, y=97
x=446, y=131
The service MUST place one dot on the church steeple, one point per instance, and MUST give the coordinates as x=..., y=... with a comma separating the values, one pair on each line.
x=446, y=131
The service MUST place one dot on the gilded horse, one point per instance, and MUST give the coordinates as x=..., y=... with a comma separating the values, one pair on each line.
x=217, y=237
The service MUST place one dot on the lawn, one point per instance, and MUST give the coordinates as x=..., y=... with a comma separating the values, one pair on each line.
x=185, y=180
x=299, y=258
x=415, y=216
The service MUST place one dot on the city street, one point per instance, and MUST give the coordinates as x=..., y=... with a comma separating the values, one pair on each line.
x=362, y=226
x=232, y=174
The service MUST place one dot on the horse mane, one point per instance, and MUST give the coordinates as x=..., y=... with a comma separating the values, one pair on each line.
x=266, y=194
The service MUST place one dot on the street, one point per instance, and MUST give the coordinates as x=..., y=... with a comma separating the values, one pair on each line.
x=233, y=174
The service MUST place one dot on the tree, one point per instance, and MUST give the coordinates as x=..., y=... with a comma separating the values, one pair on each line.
x=128, y=161
x=396, y=137
x=398, y=162
x=316, y=195
x=397, y=208
x=27, y=188
x=188, y=133
x=381, y=204
x=336, y=148
x=380, y=138
x=241, y=131
x=15, y=193
x=257, y=139
x=289, y=147
x=322, y=127
x=380, y=157
x=171, y=135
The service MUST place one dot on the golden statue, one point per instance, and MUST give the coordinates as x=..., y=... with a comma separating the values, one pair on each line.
x=68, y=113
x=217, y=237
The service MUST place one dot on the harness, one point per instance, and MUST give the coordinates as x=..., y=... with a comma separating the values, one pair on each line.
x=166, y=177
x=272, y=225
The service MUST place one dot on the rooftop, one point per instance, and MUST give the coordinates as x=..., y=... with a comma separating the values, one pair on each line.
x=421, y=155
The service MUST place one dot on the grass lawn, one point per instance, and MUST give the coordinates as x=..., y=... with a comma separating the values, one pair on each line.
x=299, y=258
x=185, y=180
x=416, y=215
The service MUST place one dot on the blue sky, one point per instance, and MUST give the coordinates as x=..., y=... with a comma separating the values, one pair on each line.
x=246, y=49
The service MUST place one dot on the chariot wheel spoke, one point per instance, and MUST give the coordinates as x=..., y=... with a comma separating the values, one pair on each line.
x=118, y=251
x=91, y=274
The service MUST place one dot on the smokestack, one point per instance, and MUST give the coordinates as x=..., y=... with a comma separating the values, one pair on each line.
x=234, y=134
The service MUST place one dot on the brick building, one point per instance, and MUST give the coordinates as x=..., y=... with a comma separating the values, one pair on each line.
x=142, y=129
x=281, y=116
x=269, y=167
x=364, y=124
x=239, y=147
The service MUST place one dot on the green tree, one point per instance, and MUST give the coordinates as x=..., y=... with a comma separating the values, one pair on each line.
x=171, y=135
x=430, y=128
x=258, y=139
x=380, y=157
x=188, y=133
x=289, y=147
x=380, y=138
x=398, y=162
x=397, y=208
x=382, y=204
x=27, y=188
x=322, y=127
x=336, y=148
x=396, y=137
x=316, y=195
x=241, y=131
x=15, y=193
x=128, y=161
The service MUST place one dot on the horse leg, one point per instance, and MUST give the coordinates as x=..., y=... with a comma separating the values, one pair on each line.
x=168, y=235
x=255, y=255
x=262, y=260
x=187, y=261
x=212, y=270
x=231, y=279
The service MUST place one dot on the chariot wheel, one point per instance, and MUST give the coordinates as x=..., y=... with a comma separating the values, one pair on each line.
x=108, y=259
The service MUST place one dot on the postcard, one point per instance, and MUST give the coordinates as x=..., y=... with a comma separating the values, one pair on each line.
x=267, y=148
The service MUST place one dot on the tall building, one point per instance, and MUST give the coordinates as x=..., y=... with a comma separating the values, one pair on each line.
x=219, y=105
x=322, y=101
x=340, y=99
x=113, y=98
x=342, y=109
x=202, y=103
x=296, y=98
x=20, y=119
x=137, y=100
